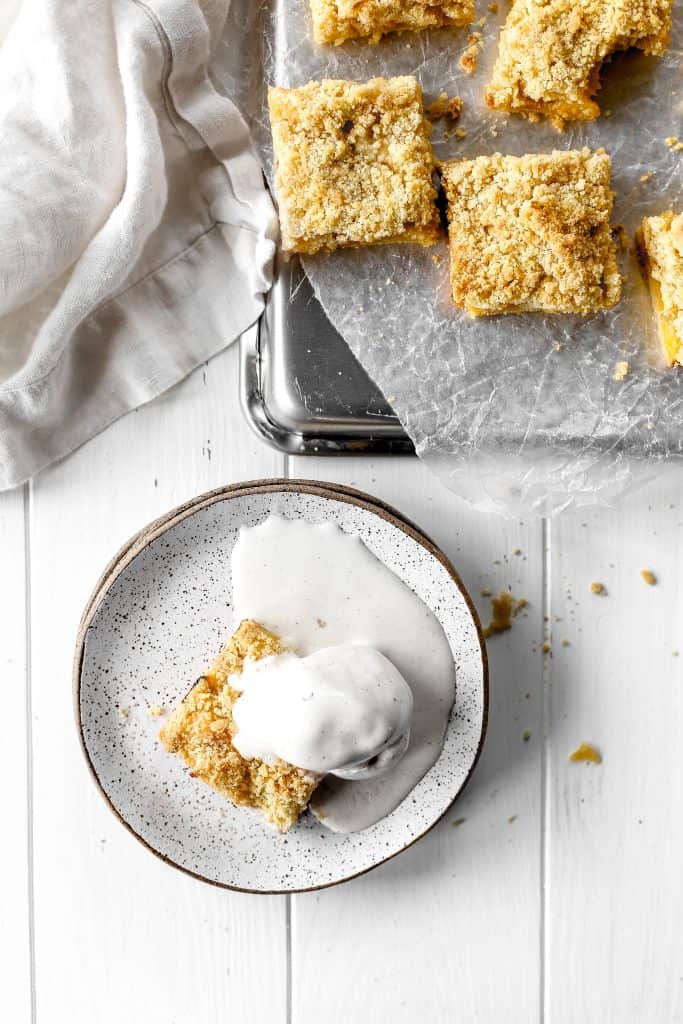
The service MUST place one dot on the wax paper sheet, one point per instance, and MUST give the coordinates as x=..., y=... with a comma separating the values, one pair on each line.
x=539, y=389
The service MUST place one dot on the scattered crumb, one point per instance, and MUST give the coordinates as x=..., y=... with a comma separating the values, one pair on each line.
x=526, y=735
x=521, y=603
x=516, y=551
x=673, y=143
x=391, y=398
x=321, y=623
x=646, y=177
x=123, y=713
x=436, y=259
x=565, y=642
x=513, y=817
x=460, y=133
x=469, y=59
x=459, y=821
x=493, y=8
x=620, y=236
x=586, y=752
x=649, y=577
x=621, y=370
x=501, y=614
x=674, y=654
x=546, y=648
x=155, y=711
x=597, y=588
x=486, y=592
x=482, y=21
x=558, y=346
x=444, y=106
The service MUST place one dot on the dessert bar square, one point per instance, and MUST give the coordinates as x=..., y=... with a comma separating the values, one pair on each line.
x=550, y=52
x=353, y=164
x=531, y=233
x=200, y=731
x=660, y=249
x=336, y=21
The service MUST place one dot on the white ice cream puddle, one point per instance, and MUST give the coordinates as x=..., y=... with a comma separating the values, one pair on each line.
x=318, y=587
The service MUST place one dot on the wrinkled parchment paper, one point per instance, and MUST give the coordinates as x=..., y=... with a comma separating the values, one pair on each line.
x=539, y=389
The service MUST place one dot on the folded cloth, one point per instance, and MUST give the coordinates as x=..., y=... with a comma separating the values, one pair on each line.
x=136, y=235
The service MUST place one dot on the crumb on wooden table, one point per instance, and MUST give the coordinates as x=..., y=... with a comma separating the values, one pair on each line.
x=586, y=752
x=503, y=610
x=648, y=576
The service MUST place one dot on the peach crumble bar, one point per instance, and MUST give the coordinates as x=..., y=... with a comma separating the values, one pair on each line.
x=551, y=51
x=659, y=242
x=201, y=728
x=531, y=233
x=336, y=21
x=353, y=164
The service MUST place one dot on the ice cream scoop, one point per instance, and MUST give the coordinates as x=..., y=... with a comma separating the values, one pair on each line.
x=342, y=710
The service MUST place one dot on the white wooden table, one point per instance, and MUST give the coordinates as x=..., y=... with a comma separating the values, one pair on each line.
x=558, y=897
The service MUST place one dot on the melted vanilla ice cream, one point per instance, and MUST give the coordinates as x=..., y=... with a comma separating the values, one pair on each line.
x=317, y=587
x=331, y=712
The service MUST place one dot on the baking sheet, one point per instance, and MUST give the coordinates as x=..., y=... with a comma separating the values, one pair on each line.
x=539, y=388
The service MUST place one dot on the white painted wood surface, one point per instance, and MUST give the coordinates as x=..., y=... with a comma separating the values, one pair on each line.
x=568, y=912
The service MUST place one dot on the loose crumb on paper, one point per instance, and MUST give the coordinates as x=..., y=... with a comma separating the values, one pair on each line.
x=444, y=106
x=598, y=588
x=649, y=577
x=155, y=711
x=513, y=817
x=469, y=59
x=621, y=370
x=123, y=713
x=586, y=752
x=458, y=822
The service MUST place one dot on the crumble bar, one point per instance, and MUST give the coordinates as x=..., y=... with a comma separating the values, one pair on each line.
x=201, y=728
x=336, y=21
x=659, y=243
x=353, y=164
x=551, y=51
x=531, y=233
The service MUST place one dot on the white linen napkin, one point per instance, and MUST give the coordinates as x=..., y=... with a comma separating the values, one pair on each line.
x=136, y=235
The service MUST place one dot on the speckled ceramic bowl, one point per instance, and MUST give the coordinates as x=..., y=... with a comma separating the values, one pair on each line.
x=160, y=612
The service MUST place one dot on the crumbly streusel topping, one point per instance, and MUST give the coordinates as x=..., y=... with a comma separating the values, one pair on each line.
x=660, y=248
x=201, y=728
x=353, y=164
x=551, y=51
x=532, y=233
x=335, y=21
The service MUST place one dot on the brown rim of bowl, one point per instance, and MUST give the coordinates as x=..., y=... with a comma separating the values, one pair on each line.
x=159, y=526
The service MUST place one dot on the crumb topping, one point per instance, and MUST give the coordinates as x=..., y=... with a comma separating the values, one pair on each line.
x=201, y=728
x=551, y=51
x=336, y=21
x=532, y=233
x=353, y=164
x=659, y=243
